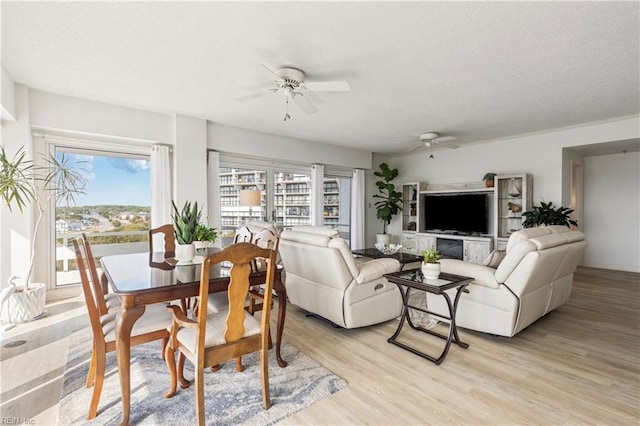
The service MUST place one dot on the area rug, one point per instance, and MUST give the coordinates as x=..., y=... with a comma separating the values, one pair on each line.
x=231, y=398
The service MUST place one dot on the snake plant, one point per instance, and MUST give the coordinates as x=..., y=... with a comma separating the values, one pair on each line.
x=186, y=221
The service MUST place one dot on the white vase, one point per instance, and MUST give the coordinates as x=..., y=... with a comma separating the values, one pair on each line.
x=431, y=271
x=24, y=305
x=383, y=238
x=201, y=244
x=185, y=253
x=186, y=273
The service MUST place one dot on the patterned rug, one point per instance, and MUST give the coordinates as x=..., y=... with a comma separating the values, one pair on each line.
x=231, y=398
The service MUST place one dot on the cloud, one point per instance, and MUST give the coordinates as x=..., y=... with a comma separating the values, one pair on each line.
x=128, y=165
x=83, y=164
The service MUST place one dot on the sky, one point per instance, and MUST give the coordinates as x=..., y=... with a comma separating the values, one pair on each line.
x=113, y=180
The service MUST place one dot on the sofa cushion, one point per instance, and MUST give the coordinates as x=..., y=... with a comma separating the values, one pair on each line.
x=513, y=258
x=494, y=258
x=482, y=275
x=305, y=238
x=525, y=234
x=318, y=230
x=376, y=268
x=549, y=241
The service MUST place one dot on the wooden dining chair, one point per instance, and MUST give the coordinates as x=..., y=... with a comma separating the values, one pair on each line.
x=213, y=338
x=106, y=302
x=169, y=240
x=265, y=239
x=151, y=326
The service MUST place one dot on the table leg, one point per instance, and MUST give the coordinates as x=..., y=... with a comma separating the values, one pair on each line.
x=124, y=324
x=452, y=335
x=281, y=291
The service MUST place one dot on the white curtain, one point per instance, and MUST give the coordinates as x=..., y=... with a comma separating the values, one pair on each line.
x=213, y=189
x=357, y=209
x=317, y=195
x=160, y=186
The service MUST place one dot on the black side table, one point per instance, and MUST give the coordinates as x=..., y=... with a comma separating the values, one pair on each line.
x=413, y=279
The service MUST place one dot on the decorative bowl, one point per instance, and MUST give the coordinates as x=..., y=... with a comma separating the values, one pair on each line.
x=388, y=249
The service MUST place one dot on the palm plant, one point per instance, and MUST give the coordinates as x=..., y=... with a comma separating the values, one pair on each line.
x=548, y=214
x=22, y=183
x=185, y=221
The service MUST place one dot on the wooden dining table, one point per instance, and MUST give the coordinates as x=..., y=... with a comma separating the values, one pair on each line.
x=141, y=279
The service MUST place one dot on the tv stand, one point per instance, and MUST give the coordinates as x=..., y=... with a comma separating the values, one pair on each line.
x=470, y=248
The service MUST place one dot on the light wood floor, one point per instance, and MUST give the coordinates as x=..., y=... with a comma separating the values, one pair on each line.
x=579, y=365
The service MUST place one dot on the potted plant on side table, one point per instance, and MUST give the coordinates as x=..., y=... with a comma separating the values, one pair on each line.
x=21, y=184
x=390, y=203
x=430, y=263
x=185, y=223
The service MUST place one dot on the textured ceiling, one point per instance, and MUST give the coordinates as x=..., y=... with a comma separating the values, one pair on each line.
x=476, y=71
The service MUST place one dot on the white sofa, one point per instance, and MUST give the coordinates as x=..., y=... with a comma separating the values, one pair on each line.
x=324, y=279
x=534, y=278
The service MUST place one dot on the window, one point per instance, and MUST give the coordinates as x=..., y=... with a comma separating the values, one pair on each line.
x=286, y=196
x=114, y=213
x=232, y=214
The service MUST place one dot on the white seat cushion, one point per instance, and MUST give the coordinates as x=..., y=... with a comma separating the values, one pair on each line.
x=156, y=317
x=215, y=328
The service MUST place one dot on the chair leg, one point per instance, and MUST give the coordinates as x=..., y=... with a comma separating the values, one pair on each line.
x=184, y=383
x=91, y=375
x=97, y=387
x=170, y=358
x=199, y=367
x=165, y=343
x=264, y=376
x=239, y=366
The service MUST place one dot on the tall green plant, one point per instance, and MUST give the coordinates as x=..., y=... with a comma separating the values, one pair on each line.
x=548, y=214
x=185, y=222
x=390, y=203
x=22, y=183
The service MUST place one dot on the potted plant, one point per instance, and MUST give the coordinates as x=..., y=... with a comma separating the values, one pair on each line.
x=430, y=263
x=22, y=184
x=488, y=179
x=548, y=214
x=185, y=222
x=390, y=203
x=204, y=236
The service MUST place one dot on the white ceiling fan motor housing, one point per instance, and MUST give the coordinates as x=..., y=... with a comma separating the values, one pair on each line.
x=291, y=76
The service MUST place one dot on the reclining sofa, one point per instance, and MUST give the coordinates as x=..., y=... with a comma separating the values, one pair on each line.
x=324, y=279
x=534, y=278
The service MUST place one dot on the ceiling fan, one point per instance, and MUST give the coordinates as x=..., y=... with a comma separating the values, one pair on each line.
x=432, y=139
x=292, y=84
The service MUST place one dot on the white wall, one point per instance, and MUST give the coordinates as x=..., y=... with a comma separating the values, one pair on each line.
x=7, y=96
x=189, y=136
x=247, y=142
x=541, y=155
x=612, y=211
x=190, y=162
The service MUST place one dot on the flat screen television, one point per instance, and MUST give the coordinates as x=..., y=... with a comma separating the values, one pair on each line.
x=461, y=213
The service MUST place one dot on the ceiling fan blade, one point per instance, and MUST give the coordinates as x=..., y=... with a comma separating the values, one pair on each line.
x=443, y=142
x=304, y=104
x=413, y=148
x=271, y=71
x=256, y=95
x=327, y=86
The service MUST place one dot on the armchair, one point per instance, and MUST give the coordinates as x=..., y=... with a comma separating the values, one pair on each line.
x=534, y=278
x=324, y=279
